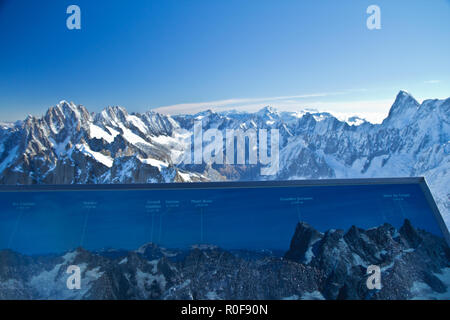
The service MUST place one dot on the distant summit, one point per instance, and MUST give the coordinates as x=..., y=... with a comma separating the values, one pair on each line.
x=70, y=145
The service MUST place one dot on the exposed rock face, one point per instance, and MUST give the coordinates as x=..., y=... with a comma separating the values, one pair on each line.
x=410, y=234
x=302, y=243
x=331, y=265
x=402, y=255
x=70, y=145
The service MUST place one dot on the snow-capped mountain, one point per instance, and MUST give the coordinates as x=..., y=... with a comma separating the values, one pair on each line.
x=330, y=265
x=70, y=145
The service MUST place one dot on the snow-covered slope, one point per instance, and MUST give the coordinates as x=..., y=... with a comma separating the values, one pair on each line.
x=70, y=145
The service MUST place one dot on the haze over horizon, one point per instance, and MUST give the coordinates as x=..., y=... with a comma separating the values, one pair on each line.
x=342, y=111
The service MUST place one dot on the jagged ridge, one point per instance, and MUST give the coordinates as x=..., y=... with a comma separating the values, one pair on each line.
x=70, y=145
x=331, y=265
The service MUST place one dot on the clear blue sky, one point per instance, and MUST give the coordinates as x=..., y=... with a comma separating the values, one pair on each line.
x=148, y=54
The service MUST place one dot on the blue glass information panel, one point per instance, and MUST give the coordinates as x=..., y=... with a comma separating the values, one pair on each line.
x=360, y=239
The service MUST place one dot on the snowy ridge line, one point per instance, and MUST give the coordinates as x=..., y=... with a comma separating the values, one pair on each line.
x=70, y=145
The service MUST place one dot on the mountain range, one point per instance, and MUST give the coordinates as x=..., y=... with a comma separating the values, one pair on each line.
x=70, y=145
x=331, y=265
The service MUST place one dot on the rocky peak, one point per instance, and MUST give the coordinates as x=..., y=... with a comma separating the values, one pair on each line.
x=353, y=233
x=159, y=124
x=150, y=251
x=268, y=115
x=403, y=109
x=267, y=110
x=410, y=234
x=304, y=237
x=73, y=111
x=66, y=118
x=112, y=115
